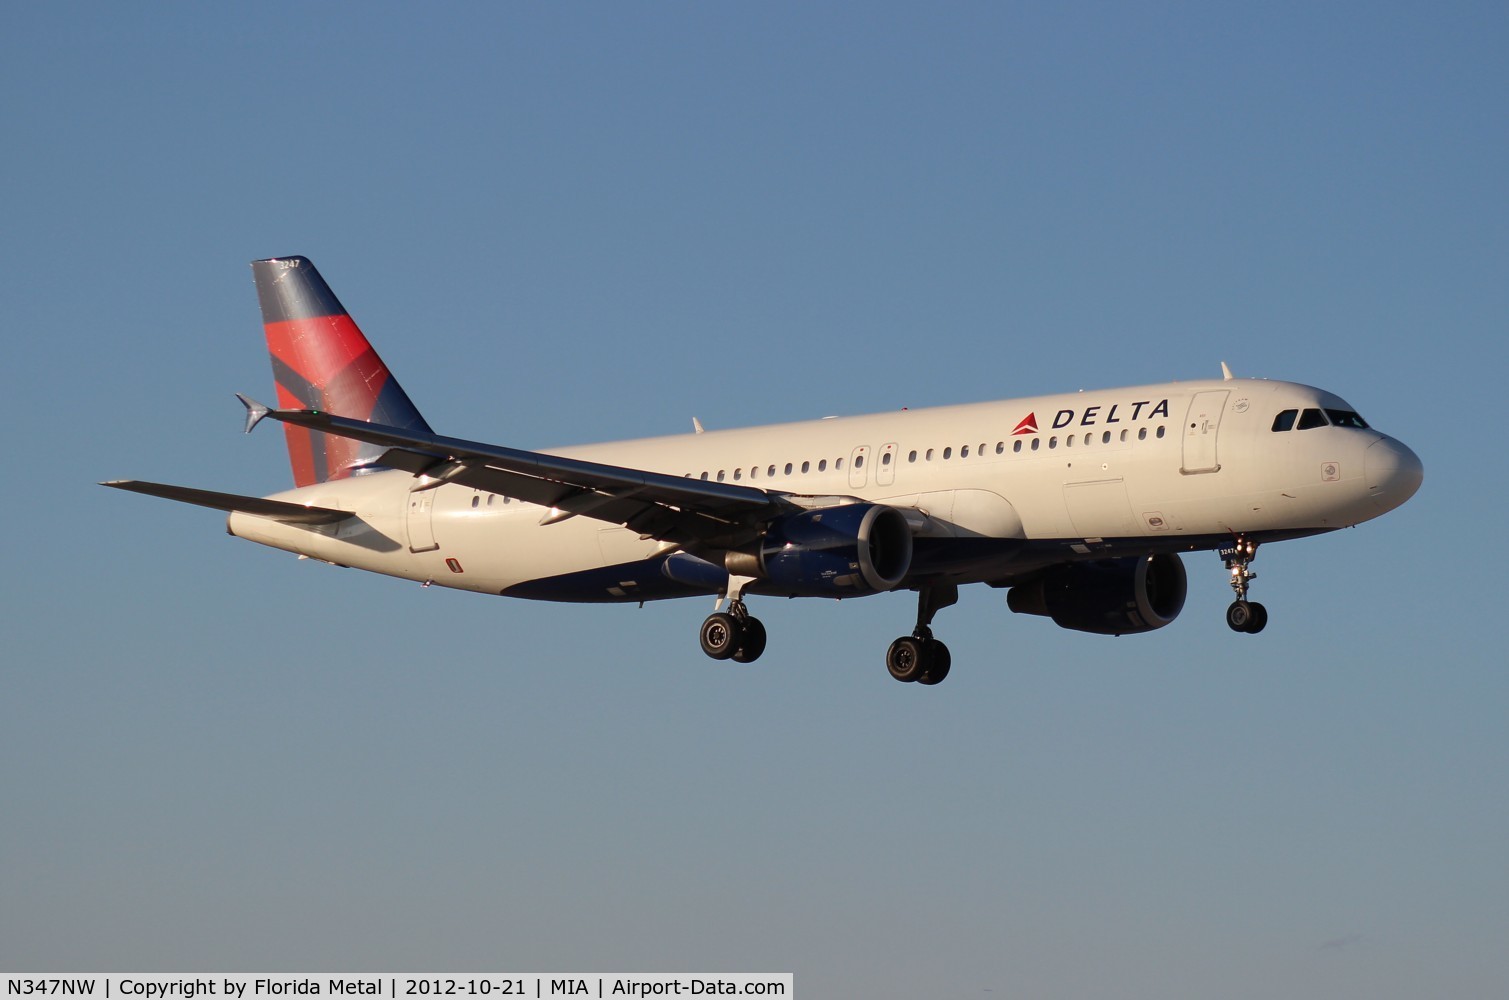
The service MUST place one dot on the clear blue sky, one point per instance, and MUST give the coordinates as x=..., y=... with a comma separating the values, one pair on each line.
x=563, y=223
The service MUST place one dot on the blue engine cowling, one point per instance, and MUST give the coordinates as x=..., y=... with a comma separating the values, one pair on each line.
x=855, y=549
x=1108, y=597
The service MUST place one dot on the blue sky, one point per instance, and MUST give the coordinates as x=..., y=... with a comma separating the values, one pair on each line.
x=570, y=223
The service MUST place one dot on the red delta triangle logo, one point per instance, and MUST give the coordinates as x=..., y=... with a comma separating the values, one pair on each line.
x=1027, y=426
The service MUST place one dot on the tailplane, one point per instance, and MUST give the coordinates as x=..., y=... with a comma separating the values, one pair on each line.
x=321, y=361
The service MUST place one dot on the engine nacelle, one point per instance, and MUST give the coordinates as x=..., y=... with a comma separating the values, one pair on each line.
x=860, y=548
x=1108, y=597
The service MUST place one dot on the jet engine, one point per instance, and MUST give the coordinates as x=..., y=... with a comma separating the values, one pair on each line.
x=854, y=549
x=1109, y=596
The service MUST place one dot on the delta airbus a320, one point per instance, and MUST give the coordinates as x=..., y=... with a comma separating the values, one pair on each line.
x=1080, y=504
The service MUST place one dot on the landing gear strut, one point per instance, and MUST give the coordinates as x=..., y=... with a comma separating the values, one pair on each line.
x=734, y=634
x=1243, y=615
x=919, y=657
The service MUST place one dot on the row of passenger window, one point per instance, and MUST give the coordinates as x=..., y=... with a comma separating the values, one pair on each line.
x=1313, y=417
x=931, y=454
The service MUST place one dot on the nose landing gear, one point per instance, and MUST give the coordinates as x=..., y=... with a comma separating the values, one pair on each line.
x=1243, y=615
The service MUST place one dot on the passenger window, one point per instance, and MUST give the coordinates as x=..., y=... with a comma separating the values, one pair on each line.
x=805, y=467
x=720, y=475
x=1105, y=438
x=911, y=456
x=1036, y=442
x=822, y=466
x=1000, y=447
x=788, y=468
x=884, y=459
x=1160, y=430
x=770, y=472
x=930, y=454
x=476, y=502
x=947, y=454
x=704, y=475
x=1311, y=419
x=1053, y=441
x=1123, y=434
x=838, y=463
x=1285, y=420
x=964, y=452
x=1142, y=434
x=738, y=474
x=1016, y=445
x=859, y=461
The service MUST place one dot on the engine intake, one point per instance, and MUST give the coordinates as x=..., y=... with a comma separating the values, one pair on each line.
x=1108, y=597
x=860, y=548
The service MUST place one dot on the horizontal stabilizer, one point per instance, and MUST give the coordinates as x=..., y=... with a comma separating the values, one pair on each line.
x=277, y=510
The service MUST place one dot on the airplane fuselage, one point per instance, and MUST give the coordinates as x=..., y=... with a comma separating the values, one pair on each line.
x=1079, y=503
x=996, y=490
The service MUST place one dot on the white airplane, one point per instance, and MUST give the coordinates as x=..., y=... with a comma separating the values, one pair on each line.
x=1079, y=503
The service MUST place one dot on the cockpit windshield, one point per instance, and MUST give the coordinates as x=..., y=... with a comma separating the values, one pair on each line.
x=1313, y=417
x=1346, y=418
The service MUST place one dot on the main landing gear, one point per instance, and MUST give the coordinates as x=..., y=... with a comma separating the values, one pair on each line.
x=734, y=634
x=1243, y=615
x=919, y=657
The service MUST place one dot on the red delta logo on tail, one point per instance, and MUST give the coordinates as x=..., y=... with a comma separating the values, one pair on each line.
x=1028, y=424
x=322, y=361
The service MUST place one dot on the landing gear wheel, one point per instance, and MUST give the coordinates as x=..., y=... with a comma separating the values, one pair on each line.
x=907, y=659
x=721, y=635
x=938, y=659
x=752, y=644
x=1246, y=616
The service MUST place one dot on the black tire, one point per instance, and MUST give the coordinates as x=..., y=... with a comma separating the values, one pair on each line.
x=721, y=635
x=907, y=659
x=753, y=642
x=1239, y=616
x=1259, y=619
x=939, y=662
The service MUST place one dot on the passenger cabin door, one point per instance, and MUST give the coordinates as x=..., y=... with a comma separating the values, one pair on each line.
x=1201, y=428
x=421, y=528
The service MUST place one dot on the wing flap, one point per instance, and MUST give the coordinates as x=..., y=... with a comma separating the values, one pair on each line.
x=277, y=510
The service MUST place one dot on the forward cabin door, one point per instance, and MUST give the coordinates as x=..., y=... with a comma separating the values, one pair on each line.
x=1201, y=428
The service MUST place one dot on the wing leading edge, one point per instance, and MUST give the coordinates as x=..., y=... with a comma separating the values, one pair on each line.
x=688, y=512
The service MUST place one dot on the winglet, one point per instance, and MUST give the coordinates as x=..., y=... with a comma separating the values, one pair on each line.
x=255, y=411
x=1226, y=372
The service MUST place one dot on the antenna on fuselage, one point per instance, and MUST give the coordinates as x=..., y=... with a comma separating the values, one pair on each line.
x=1226, y=372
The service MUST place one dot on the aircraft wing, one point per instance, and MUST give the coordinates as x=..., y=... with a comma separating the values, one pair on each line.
x=690, y=512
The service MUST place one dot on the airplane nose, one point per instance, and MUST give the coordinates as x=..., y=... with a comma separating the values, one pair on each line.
x=1393, y=472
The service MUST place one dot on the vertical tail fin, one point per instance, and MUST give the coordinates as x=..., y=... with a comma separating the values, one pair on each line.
x=321, y=361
